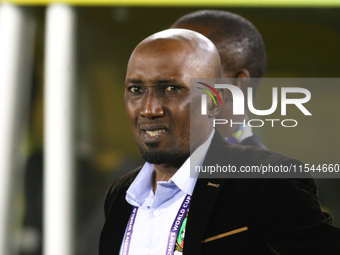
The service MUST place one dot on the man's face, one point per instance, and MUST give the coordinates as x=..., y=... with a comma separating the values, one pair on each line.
x=157, y=98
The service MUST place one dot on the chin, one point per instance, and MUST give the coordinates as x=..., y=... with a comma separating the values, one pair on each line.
x=154, y=155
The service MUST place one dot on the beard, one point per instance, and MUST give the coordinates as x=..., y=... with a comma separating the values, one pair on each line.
x=157, y=156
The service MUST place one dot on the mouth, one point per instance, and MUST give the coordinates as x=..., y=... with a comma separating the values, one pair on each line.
x=152, y=133
x=152, y=136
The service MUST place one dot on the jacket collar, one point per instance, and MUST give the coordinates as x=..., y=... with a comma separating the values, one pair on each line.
x=205, y=196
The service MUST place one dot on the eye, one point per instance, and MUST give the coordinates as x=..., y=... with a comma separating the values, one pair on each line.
x=135, y=89
x=171, y=88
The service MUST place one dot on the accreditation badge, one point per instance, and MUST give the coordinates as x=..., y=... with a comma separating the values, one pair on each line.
x=180, y=237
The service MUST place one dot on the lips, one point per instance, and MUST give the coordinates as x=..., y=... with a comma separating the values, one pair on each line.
x=153, y=132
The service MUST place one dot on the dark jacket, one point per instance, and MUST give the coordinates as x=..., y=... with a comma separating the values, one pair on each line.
x=270, y=216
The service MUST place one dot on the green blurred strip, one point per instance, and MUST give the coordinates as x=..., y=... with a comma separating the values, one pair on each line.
x=193, y=3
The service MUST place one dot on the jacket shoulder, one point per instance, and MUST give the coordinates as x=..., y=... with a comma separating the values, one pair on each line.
x=222, y=151
x=251, y=154
x=121, y=184
x=254, y=140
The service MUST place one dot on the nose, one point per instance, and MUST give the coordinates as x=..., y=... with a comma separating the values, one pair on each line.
x=151, y=106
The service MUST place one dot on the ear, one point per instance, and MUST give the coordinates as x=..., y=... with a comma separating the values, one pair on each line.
x=214, y=110
x=242, y=79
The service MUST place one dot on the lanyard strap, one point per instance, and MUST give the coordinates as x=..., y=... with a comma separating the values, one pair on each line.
x=176, y=225
x=235, y=137
x=128, y=235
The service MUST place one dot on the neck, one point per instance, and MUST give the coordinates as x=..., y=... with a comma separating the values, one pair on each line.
x=164, y=172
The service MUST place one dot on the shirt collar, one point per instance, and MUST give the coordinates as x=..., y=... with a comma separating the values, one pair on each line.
x=141, y=187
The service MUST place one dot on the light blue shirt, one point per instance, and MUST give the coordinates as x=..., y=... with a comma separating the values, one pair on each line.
x=156, y=212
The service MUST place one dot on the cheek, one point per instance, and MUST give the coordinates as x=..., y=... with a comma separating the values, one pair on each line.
x=196, y=117
x=181, y=111
x=132, y=111
x=227, y=111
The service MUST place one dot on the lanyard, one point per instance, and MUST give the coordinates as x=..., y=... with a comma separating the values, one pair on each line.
x=176, y=225
x=235, y=137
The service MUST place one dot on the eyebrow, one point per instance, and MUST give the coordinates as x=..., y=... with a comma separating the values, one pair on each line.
x=163, y=81
x=134, y=81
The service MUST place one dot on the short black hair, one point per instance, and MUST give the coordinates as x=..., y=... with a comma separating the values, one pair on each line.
x=238, y=42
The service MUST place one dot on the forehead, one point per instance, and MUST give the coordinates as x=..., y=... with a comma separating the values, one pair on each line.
x=171, y=61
